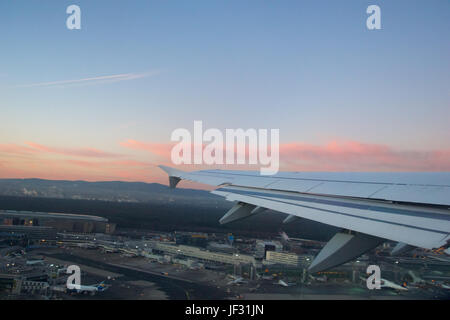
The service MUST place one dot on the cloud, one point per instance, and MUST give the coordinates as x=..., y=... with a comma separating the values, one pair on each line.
x=79, y=152
x=92, y=80
x=357, y=156
x=160, y=149
x=103, y=164
x=73, y=169
x=15, y=149
x=343, y=155
x=39, y=161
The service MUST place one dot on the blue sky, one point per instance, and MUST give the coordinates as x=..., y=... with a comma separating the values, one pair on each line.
x=309, y=68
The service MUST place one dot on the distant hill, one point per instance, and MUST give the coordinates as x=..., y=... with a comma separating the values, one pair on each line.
x=106, y=191
x=147, y=206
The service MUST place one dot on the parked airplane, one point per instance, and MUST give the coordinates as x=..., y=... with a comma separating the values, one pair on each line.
x=237, y=280
x=431, y=281
x=285, y=284
x=410, y=208
x=389, y=285
x=319, y=279
x=35, y=262
x=284, y=237
x=89, y=289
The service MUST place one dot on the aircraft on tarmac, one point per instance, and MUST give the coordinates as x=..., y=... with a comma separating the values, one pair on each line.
x=389, y=284
x=237, y=280
x=285, y=284
x=92, y=289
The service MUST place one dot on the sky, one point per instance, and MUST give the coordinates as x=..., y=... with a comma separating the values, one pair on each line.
x=100, y=103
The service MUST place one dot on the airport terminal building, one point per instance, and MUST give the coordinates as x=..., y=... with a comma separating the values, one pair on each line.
x=45, y=225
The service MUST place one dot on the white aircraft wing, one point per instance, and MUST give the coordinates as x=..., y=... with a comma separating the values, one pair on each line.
x=410, y=208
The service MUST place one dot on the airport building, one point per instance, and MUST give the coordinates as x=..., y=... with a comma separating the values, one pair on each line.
x=220, y=247
x=262, y=247
x=191, y=239
x=60, y=222
x=201, y=254
x=31, y=233
x=283, y=258
x=11, y=239
x=8, y=282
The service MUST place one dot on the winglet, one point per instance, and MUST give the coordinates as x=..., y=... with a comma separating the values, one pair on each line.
x=174, y=175
x=172, y=172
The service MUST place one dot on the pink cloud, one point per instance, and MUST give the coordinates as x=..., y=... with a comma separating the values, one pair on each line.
x=27, y=162
x=356, y=156
x=81, y=170
x=159, y=149
x=163, y=150
x=333, y=156
x=15, y=149
x=103, y=164
x=79, y=152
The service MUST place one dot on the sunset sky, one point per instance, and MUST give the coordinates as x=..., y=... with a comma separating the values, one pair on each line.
x=100, y=103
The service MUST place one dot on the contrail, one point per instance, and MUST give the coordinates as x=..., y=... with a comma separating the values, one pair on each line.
x=93, y=80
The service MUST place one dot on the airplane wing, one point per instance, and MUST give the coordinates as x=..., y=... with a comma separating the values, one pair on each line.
x=410, y=208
